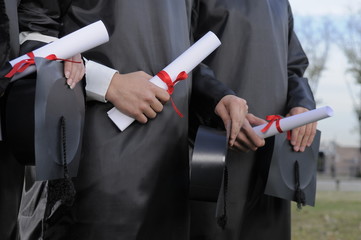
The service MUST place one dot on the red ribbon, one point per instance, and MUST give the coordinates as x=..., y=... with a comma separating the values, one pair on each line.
x=164, y=76
x=25, y=63
x=276, y=119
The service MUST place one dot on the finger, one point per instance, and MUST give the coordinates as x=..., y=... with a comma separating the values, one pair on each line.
x=242, y=139
x=252, y=136
x=157, y=106
x=149, y=112
x=237, y=119
x=222, y=112
x=74, y=77
x=141, y=118
x=255, y=121
x=294, y=136
x=67, y=72
x=240, y=147
x=300, y=135
x=306, y=137
x=313, y=134
x=161, y=94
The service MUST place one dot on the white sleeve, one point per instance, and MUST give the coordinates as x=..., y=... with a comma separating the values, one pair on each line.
x=35, y=36
x=98, y=79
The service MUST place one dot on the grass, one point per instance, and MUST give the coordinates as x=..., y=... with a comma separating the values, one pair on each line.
x=336, y=216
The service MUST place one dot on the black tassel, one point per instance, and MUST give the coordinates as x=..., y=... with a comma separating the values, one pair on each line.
x=62, y=189
x=299, y=194
x=222, y=220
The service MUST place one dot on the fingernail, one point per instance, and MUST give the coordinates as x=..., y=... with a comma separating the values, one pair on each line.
x=69, y=82
x=296, y=148
x=67, y=74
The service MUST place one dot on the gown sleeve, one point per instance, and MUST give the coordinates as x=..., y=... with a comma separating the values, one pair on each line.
x=43, y=16
x=207, y=91
x=299, y=91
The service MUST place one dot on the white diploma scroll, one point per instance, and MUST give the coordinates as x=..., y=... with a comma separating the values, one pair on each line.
x=76, y=42
x=187, y=61
x=295, y=121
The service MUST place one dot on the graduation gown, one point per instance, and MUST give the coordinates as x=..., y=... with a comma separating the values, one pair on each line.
x=131, y=184
x=262, y=60
x=11, y=172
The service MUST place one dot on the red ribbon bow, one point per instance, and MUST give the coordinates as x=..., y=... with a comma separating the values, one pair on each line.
x=164, y=76
x=25, y=63
x=276, y=119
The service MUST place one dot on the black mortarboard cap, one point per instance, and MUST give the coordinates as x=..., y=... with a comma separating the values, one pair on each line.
x=44, y=127
x=208, y=164
x=292, y=175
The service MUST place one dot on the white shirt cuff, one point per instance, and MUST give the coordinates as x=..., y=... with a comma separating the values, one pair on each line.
x=35, y=36
x=98, y=78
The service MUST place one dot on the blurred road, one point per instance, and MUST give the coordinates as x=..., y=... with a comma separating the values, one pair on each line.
x=343, y=185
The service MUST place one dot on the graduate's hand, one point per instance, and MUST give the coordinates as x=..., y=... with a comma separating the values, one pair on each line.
x=74, y=72
x=247, y=139
x=135, y=96
x=232, y=110
x=302, y=137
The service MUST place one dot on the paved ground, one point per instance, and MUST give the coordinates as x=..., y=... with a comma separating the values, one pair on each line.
x=343, y=185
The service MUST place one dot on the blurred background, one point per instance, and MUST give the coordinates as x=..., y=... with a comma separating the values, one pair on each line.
x=330, y=33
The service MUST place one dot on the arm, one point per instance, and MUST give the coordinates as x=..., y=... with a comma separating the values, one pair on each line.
x=215, y=105
x=300, y=96
x=130, y=93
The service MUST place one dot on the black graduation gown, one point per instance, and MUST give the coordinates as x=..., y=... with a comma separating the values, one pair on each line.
x=131, y=184
x=11, y=172
x=262, y=61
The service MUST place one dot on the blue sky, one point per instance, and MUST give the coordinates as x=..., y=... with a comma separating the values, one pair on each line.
x=335, y=84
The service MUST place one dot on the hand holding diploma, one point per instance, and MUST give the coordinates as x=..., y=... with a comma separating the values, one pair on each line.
x=306, y=120
x=300, y=121
x=169, y=76
x=136, y=96
x=303, y=136
x=65, y=47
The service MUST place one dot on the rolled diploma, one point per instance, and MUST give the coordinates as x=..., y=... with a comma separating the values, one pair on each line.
x=295, y=121
x=76, y=42
x=187, y=61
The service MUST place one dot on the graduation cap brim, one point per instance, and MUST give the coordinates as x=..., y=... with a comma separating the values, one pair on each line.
x=207, y=164
x=292, y=175
x=46, y=128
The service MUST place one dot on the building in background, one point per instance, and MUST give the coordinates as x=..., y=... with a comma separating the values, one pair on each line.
x=339, y=162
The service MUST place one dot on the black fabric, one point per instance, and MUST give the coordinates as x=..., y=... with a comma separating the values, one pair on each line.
x=11, y=173
x=44, y=17
x=4, y=35
x=11, y=182
x=9, y=44
x=4, y=81
x=262, y=61
x=131, y=184
x=19, y=118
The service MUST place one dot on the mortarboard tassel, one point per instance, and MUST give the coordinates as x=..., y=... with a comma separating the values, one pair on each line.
x=222, y=220
x=299, y=194
x=62, y=189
